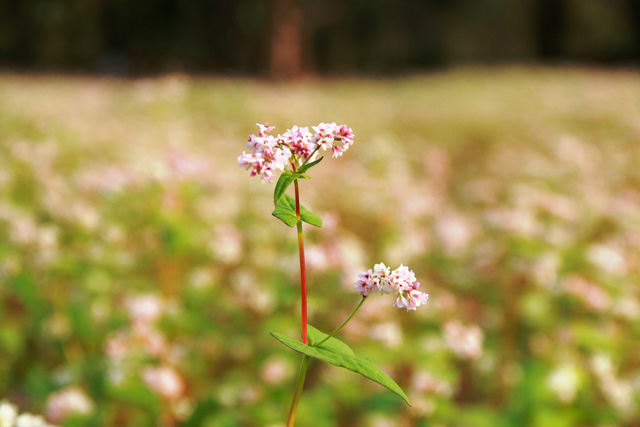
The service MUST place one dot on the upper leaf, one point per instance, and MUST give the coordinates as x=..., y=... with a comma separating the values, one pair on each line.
x=310, y=217
x=339, y=354
x=283, y=183
x=308, y=166
x=286, y=212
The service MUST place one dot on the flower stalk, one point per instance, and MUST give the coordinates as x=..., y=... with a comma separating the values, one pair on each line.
x=343, y=324
x=298, y=392
x=303, y=267
x=298, y=148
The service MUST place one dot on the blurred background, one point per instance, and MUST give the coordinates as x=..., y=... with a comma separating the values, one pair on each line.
x=496, y=154
x=293, y=37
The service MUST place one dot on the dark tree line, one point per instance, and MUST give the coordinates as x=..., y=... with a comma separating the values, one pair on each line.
x=289, y=37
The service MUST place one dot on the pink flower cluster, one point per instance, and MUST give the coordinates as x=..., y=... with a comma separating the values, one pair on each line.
x=295, y=146
x=401, y=282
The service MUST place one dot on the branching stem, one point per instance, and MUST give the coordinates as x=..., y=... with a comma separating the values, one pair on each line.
x=344, y=323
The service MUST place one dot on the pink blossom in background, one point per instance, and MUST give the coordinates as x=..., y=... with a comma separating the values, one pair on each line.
x=589, y=292
x=276, y=370
x=165, y=381
x=68, y=402
x=144, y=309
x=465, y=341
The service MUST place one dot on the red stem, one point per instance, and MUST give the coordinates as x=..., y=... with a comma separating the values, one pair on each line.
x=303, y=268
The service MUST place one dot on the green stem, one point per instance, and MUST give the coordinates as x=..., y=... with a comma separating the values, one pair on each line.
x=299, y=384
x=345, y=322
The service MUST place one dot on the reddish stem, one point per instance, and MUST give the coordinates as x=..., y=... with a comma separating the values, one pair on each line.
x=303, y=268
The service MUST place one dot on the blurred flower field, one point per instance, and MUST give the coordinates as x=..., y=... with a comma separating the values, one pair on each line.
x=141, y=270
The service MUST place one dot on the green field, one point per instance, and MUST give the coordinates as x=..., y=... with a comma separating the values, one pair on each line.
x=141, y=268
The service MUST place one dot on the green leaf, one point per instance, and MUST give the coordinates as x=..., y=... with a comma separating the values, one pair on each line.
x=332, y=344
x=339, y=354
x=286, y=212
x=310, y=217
x=283, y=183
x=308, y=166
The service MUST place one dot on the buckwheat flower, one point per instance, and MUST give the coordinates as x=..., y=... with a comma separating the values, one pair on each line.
x=465, y=341
x=280, y=158
x=8, y=414
x=345, y=136
x=256, y=141
x=325, y=135
x=367, y=283
x=333, y=137
x=28, y=420
x=264, y=129
x=253, y=161
x=68, y=402
x=382, y=272
x=165, y=381
x=300, y=142
x=401, y=282
x=272, y=153
x=402, y=279
x=275, y=370
x=269, y=154
x=564, y=381
x=144, y=309
x=117, y=346
x=411, y=299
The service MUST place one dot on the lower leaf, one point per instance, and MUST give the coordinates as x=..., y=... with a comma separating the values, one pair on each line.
x=339, y=354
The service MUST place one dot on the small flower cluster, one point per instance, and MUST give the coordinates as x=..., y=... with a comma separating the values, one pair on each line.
x=401, y=282
x=9, y=417
x=296, y=145
x=68, y=402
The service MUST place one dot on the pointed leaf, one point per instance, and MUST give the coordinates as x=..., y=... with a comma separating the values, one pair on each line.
x=310, y=217
x=285, y=212
x=332, y=344
x=339, y=354
x=308, y=166
x=283, y=183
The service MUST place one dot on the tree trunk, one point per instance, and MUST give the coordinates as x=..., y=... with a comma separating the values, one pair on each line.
x=634, y=16
x=550, y=22
x=285, y=60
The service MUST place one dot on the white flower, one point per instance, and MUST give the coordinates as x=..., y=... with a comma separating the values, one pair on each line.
x=271, y=153
x=8, y=414
x=400, y=281
x=466, y=341
x=144, y=309
x=9, y=417
x=28, y=420
x=411, y=299
x=68, y=402
x=564, y=382
x=165, y=381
